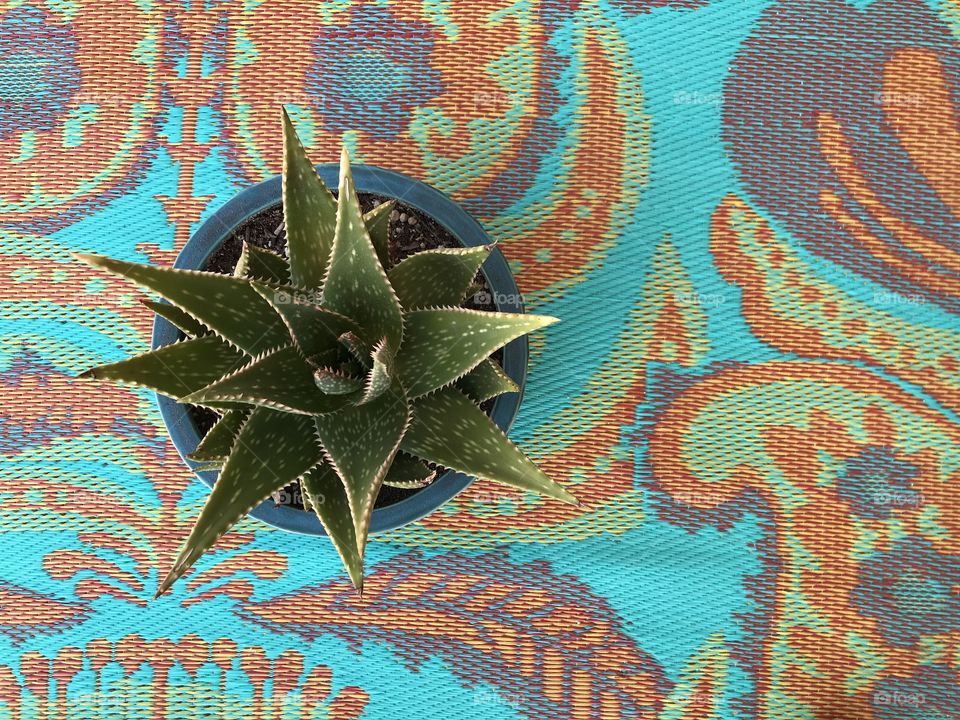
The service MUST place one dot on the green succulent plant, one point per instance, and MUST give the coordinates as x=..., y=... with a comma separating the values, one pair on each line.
x=333, y=368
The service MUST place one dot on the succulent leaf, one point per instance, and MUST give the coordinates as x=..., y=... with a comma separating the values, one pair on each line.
x=309, y=212
x=356, y=285
x=441, y=345
x=227, y=305
x=208, y=466
x=218, y=441
x=281, y=380
x=450, y=430
x=406, y=472
x=485, y=381
x=305, y=498
x=380, y=375
x=272, y=450
x=377, y=221
x=358, y=349
x=176, y=317
x=437, y=278
x=334, y=382
x=259, y=263
x=314, y=329
x=360, y=442
x=326, y=495
x=174, y=370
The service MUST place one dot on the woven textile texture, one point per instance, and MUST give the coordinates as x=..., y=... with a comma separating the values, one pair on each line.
x=746, y=214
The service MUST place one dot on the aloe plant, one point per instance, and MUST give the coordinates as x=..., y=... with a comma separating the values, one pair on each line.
x=333, y=368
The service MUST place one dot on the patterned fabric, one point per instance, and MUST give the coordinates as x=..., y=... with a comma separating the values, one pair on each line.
x=747, y=215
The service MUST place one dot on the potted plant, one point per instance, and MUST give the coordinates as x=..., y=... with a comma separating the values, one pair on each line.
x=337, y=366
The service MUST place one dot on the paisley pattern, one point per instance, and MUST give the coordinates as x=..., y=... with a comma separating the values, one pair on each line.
x=744, y=211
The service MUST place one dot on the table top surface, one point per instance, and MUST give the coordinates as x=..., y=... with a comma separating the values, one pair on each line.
x=745, y=213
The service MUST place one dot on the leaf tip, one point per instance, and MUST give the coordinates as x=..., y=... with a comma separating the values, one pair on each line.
x=166, y=583
x=90, y=374
x=545, y=320
x=89, y=258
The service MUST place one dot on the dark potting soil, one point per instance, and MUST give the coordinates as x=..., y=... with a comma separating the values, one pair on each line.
x=410, y=232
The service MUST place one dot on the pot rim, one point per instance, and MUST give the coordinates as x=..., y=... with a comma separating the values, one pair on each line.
x=428, y=200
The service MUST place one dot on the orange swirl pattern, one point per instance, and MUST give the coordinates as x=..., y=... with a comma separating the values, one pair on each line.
x=789, y=434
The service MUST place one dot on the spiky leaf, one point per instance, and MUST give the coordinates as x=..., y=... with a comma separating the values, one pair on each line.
x=176, y=317
x=328, y=499
x=305, y=498
x=174, y=370
x=437, y=278
x=380, y=375
x=442, y=344
x=407, y=473
x=334, y=382
x=485, y=381
x=281, y=380
x=208, y=466
x=378, y=227
x=272, y=450
x=360, y=441
x=356, y=284
x=258, y=263
x=450, y=430
x=227, y=305
x=218, y=441
x=358, y=349
x=309, y=212
x=314, y=329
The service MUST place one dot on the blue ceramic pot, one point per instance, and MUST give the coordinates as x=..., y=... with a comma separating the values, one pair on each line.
x=430, y=202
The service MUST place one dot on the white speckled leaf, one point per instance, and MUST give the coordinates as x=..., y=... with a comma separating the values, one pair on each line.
x=227, y=305
x=407, y=472
x=437, y=278
x=309, y=211
x=272, y=449
x=358, y=349
x=334, y=382
x=177, y=317
x=356, y=285
x=174, y=370
x=360, y=441
x=315, y=330
x=450, y=430
x=328, y=498
x=208, y=466
x=442, y=344
x=218, y=441
x=378, y=227
x=380, y=375
x=485, y=381
x=282, y=380
x=258, y=263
